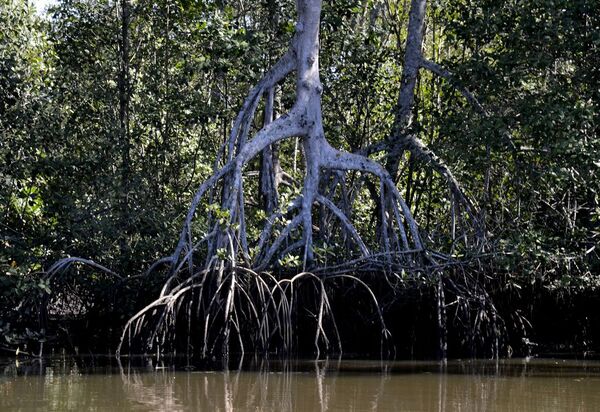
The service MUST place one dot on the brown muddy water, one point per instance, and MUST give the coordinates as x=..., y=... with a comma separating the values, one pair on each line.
x=87, y=384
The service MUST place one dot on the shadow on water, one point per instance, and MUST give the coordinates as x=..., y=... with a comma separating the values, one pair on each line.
x=329, y=385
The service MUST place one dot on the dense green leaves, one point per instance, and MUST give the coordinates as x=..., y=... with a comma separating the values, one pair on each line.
x=531, y=163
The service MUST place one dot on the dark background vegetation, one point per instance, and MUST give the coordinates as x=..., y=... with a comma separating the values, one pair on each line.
x=102, y=147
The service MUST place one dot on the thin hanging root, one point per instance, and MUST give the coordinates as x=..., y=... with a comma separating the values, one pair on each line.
x=54, y=275
x=243, y=298
x=62, y=265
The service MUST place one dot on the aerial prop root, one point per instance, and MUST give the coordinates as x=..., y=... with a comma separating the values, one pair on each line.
x=220, y=286
x=396, y=215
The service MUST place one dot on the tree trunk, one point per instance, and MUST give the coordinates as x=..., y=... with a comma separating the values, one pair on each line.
x=124, y=143
x=398, y=239
x=304, y=121
x=400, y=138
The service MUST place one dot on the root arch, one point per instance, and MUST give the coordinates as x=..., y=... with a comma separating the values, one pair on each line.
x=303, y=121
x=232, y=288
x=221, y=280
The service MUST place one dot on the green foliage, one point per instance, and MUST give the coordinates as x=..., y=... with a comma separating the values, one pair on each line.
x=290, y=261
x=533, y=65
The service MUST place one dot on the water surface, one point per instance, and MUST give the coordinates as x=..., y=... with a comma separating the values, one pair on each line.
x=90, y=384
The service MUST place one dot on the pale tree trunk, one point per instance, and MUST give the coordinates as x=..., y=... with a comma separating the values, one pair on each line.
x=399, y=231
x=222, y=277
x=402, y=138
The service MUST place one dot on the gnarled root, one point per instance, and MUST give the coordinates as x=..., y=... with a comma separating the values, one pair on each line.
x=222, y=290
x=398, y=230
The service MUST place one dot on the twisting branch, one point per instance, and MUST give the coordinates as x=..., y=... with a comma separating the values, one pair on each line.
x=278, y=72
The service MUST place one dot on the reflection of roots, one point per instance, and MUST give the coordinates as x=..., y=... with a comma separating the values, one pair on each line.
x=255, y=310
x=278, y=386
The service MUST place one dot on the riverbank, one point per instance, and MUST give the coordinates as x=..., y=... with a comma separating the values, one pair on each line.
x=490, y=319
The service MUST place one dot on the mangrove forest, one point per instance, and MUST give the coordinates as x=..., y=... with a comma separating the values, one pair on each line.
x=373, y=178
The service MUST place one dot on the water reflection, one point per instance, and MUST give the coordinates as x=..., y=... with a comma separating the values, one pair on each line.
x=305, y=386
